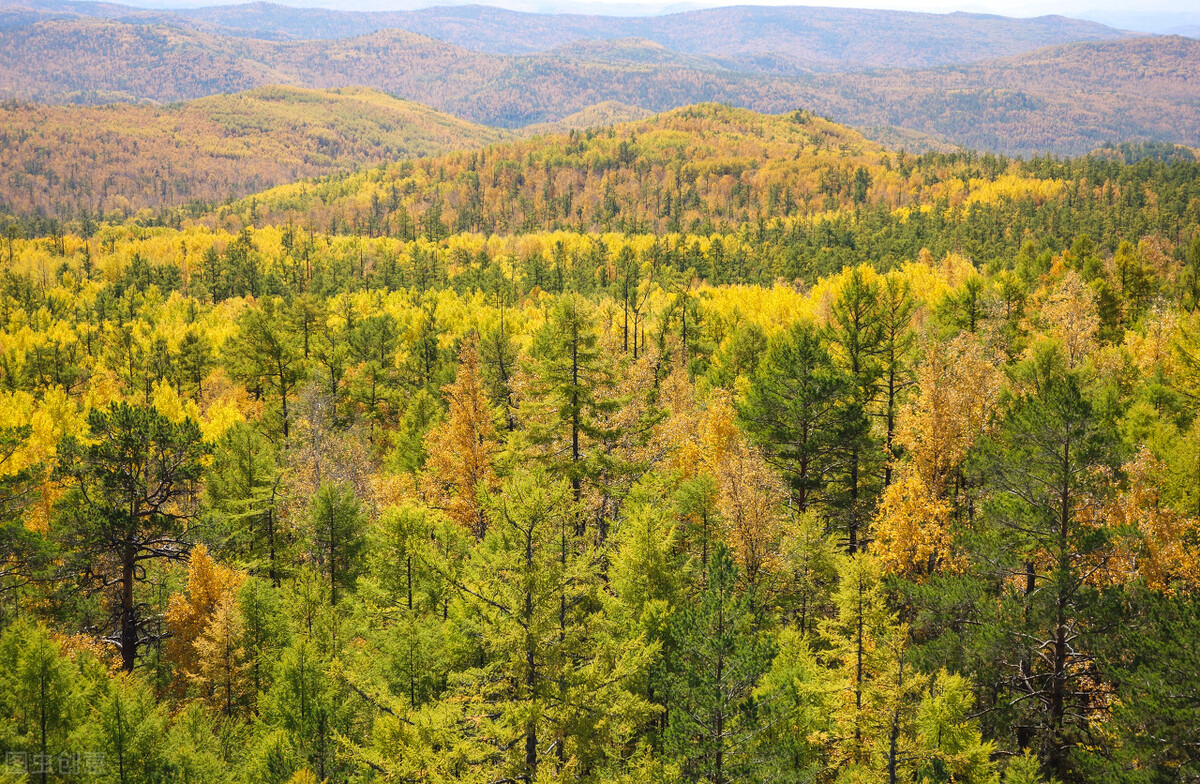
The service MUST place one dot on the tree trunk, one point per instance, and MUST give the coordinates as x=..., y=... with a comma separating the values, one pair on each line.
x=129, y=639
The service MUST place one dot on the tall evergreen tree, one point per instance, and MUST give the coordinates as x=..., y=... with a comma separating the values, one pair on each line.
x=1043, y=469
x=792, y=409
x=855, y=333
x=715, y=657
x=268, y=357
x=131, y=487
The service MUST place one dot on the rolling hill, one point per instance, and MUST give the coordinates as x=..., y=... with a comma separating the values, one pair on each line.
x=125, y=157
x=805, y=37
x=1066, y=99
x=694, y=167
x=130, y=62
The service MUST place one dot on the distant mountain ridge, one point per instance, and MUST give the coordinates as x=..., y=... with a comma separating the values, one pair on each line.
x=806, y=37
x=1066, y=99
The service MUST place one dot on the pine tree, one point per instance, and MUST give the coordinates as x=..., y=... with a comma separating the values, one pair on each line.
x=792, y=406
x=338, y=534
x=1044, y=469
x=715, y=658
x=128, y=504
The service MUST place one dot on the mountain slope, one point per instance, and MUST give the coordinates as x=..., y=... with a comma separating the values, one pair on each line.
x=1067, y=99
x=832, y=38
x=822, y=38
x=128, y=157
x=1064, y=99
x=602, y=114
x=685, y=169
x=115, y=60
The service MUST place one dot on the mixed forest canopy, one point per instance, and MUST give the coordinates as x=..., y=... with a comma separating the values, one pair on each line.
x=713, y=446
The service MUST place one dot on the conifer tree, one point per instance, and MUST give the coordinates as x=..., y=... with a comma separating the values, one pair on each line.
x=715, y=658
x=267, y=356
x=1044, y=467
x=243, y=487
x=127, y=729
x=567, y=412
x=128, y=505
x=338, y=533
x=461, y=449
x=792, y=408
x=855, y=334
x=38, y=693
x=551, y=688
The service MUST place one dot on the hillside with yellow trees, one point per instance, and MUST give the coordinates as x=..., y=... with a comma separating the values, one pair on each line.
x=946, y=79
x=708, y=447
x=122, y=158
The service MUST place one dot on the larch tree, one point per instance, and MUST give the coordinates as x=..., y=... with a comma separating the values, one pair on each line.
x=714, y=659
x=338, y=525
x=550, y=692
x=566, y=409
x=897, y=306
x=267, y=356
x=461, y=450
x=957, y=388
x=243, y=487
x=854, y=333
x=189, y=613
x=222, y=667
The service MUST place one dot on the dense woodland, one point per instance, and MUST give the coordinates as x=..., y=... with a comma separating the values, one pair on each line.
x=719, y=448
x=115, y=160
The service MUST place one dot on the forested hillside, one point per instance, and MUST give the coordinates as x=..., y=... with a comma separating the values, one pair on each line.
x=826, y=38
x=64, y=160
x=1064, y=100
x=710, y=447
x=1137, y=89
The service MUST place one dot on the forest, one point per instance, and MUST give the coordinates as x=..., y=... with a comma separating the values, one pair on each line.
x=712, y=447
x=63, y=161
x=960, y=79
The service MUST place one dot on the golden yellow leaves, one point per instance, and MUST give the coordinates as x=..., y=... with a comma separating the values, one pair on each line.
x=1072, y=317
x=912, y=529
x=204, y=622
x=1152, y=540
x=751, y=498
x=463, y=447
x=957, y=385
x=707, y=440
